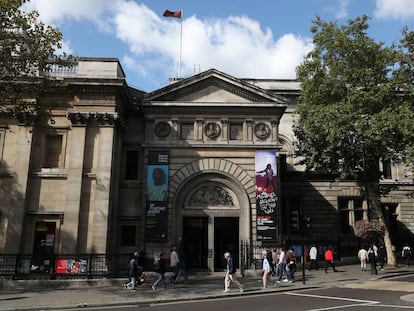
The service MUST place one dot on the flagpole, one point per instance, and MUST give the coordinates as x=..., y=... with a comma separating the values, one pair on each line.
x=181, y=45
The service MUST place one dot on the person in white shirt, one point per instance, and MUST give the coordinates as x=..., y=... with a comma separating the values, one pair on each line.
x=313, y=257
x=363, y=257
x=266, y=269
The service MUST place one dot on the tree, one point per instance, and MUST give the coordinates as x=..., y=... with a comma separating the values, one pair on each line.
x=27, y=53
x=356, y=106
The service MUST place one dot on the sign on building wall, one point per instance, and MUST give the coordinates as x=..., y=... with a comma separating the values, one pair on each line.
x=71, y=266
x=156, y=224
x=266, y=196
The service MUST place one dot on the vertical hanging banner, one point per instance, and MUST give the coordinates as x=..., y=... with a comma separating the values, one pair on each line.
x=156, y=224
x=266, y=195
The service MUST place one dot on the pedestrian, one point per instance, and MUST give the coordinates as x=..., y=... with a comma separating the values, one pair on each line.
x=139, y=278
x=230, y=276
x=132, y=274
x=313, y=257
x=266, y=269
x=182, y=269
x=174, y=261
x=406, y=254
x=382, y=256
x=363, y=257
x=329, y=260
x=275, y=259
x=291, y=262
x=161, y=269
x=269, y=259
x=282, y=268
x=372, y=254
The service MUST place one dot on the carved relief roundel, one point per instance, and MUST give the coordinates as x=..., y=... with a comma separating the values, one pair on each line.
x=212, y=130
x=162, y=129
x=262, y=130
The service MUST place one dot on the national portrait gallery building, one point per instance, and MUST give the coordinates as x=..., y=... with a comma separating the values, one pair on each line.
x=206, y=163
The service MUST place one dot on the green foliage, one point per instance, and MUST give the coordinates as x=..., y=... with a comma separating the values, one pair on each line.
x=27, y=51
x=357, y=99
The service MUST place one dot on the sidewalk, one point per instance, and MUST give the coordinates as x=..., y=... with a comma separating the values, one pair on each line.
x=63, y=294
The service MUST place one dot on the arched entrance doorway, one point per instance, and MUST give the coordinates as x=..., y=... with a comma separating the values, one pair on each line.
x=211, y=216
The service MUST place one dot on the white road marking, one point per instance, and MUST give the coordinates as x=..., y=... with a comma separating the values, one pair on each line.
x=333, y=298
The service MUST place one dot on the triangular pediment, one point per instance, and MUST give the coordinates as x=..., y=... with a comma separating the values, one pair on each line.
x=213, y=86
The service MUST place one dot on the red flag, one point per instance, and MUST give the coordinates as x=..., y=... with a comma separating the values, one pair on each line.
x=176, y=14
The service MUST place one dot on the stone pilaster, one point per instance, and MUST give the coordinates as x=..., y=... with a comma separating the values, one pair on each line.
x=16, y=212
x=99, y=223
x=70, y=228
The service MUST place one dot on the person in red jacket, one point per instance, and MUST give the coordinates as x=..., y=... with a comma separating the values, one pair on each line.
x=329, y=259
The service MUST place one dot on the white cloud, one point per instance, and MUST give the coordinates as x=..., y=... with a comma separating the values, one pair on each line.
x=236, y=45
x=342, y=11
x=394, y=9
x=55, y=12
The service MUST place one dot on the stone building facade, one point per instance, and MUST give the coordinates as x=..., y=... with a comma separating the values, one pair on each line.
x=82, y=185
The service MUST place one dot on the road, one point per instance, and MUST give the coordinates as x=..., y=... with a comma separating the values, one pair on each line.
x=335, y=298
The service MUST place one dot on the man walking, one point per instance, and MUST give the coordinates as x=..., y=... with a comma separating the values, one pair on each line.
x=230, y=274
x=313, y=256
x=281, y=267
x=174, y=260
x=161, y=272
x=329, y=260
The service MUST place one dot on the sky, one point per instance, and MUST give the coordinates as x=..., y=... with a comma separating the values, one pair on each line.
x=261, y=39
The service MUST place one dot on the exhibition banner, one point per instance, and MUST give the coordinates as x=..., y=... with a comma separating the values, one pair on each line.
x=266, y=195
x=156, y=223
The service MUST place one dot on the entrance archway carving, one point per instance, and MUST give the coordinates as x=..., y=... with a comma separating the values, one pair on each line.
x=213, y=190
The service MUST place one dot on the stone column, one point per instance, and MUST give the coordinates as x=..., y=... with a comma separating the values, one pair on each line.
x=198, y=130
x=210, y=233
x=101, y=212
x=16, y=197
x=225, y=129
x=76, y=149
x=249, y=130
x=275, y=129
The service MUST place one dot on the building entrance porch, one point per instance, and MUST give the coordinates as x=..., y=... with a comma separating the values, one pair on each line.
x=205, y=240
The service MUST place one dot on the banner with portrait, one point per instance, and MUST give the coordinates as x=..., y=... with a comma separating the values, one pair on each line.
x=156, y=216
x=267, y=205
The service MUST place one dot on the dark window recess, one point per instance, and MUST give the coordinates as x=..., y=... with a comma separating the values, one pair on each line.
x=282, y=163
x=131, y=165
x=386, y=171
x=128, y=235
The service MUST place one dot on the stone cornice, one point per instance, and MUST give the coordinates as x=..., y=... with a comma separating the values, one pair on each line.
x=103, y=118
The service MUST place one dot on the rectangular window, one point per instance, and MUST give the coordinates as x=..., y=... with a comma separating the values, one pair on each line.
x=53, y=151
x=236, y=131
x=187, y=131
x=344, y=213
x=128, y=235
x=350, y=211
x=131, y=164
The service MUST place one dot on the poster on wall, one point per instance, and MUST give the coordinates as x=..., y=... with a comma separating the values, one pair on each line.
x=266, y=195
x=71, y=266
x=157, y=193
x=156, y=221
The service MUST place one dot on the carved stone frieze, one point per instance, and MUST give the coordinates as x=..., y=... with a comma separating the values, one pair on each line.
x=78, y=118
x=211, y=196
